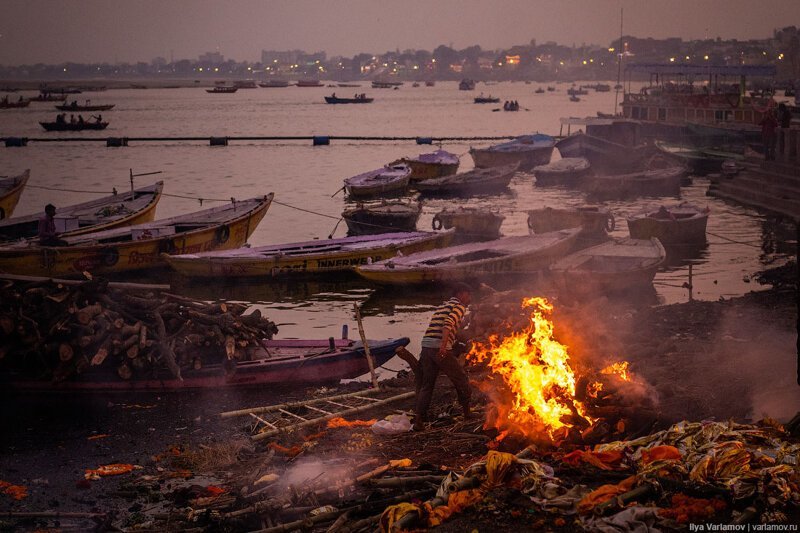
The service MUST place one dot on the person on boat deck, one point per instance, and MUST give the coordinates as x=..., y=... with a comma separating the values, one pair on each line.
x=663, y=214
x=72, y=119
x=47, y=228
x=98, y=119
x=437, y=355
x=60, y=119
x=768, y=126
x=74, y=103
x=80, y=119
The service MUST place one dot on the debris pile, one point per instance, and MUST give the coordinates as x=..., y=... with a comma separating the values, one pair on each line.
x=59, y=330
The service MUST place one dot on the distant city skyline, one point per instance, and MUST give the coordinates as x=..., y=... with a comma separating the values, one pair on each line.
x=112, y=31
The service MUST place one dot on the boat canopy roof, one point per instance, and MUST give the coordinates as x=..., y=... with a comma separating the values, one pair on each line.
x=765, y=71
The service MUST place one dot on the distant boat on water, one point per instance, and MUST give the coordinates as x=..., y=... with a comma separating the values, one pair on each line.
x=220, y=89
x=309, y=83
x=466, y=85
x=273, y=84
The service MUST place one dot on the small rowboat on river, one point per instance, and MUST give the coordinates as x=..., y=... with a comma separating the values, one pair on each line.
x=6, y=104
x=565, y=171
x=678, y=225
x=617, y=265
x=278, y=362
x=75, y=107
x=432, y=165
x=369, y=219
x=658, y=182
x=593, y=220
x=116, y=210
x=305, y=258
x=528, y=150
x=385, y=180
x=138, y=247
x=479, y=180
x=10, y=191
x=222, y=89
x=358, y=100
x=509, y=255
x=76, y=126
x=470, y=223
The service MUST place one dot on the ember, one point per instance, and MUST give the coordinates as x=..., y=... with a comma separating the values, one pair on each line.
x=535, y=368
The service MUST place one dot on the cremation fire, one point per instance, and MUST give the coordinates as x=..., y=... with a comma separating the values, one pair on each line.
x=536, y=371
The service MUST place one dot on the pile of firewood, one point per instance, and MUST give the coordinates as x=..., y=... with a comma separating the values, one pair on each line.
x=55, y=331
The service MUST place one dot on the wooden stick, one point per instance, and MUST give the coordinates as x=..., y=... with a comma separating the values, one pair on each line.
x=49, y=514
x=370, y=361
x=74, y=282
x=346, y=412
x=301, y=403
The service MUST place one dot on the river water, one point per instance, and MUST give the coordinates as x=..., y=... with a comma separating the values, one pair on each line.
x=741, y=241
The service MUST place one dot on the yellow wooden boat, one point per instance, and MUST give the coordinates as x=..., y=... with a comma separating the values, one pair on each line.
x=138, y=247
x=10, y=191
x=509, y=255
x=116, y=210
x=309, y=258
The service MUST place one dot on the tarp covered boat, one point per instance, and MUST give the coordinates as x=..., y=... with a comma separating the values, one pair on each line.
x=138, y=247
x=305, y=258
x=528, y=151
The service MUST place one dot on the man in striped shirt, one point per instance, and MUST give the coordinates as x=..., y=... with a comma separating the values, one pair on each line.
x=437, y=356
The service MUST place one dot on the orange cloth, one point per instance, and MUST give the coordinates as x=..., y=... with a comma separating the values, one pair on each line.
x=660, y=453
x=109, y=470
x=340, y=422
x=603, y=460
x=18, y=492
x=291, y=452
x=686, y=509
x=605, y=493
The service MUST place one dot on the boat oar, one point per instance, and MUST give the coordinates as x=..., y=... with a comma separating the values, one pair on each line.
x=495, y=110
x=338, y=191
x=370, y=362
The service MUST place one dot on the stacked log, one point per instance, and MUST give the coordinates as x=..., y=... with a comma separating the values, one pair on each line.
x=57, y=331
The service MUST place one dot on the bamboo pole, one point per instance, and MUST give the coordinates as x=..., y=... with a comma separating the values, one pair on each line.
x=299, y=403
x=368, y=355
x=50, y=514
x=75, y=282
x=351, y=411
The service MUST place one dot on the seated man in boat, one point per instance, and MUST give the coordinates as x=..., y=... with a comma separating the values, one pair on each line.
x=47, y=228
x=98, y=118
x=437, y=355
x=663, y=214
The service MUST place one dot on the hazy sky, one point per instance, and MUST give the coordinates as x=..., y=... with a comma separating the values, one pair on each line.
x=54, y=31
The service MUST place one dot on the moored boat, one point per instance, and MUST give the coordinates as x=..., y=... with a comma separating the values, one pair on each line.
x=277, y=362
x=610, y=145
x=509, y=255
x=376, y=84
x=528, y=150
x=369, y=219
x=677, y=225
x=76, y=126
x=137, y=247
x=486, y=99
x=657, y=182
x=222, y=89
x=10, y=191
x=594, y=221
x=272, y=84
x=479, y=180
x=309, y=83
x=466, y=85
x=360, y=99
x=431, y=165
x=617, y=265
x=6, y=104
x=565, y=171
x=312, y=258
x=119, y=209
x=385, y=180
x=49, y=97
x=470, y=223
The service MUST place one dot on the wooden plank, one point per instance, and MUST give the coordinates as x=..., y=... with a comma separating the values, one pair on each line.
x=74, y=282
x=300, y=403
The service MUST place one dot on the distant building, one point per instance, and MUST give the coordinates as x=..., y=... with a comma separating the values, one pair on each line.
x=212, y=58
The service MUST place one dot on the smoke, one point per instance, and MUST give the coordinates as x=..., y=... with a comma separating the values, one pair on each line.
x=313, y=472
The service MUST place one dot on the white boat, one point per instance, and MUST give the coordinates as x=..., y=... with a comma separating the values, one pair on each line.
x=527, y=150
x=565, y=171
x=509, y=255
x=385, y=180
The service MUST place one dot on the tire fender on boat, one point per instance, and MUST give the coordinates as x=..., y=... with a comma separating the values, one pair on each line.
x=611, y=223
x=436, y=223
x=223, y=234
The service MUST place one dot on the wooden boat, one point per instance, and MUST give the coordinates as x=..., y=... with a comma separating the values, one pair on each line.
x=366, y=219
x=309, y=83
x=470, y=223
x=348, y=85
x=221, y=89
x=10, y=191
x=385, y=180
x=466, y=85
x=279, y=362
x=539, y=90
x=122, y=209
x=677, y=225
x=603, y=154
x=479, y=180
x=698, y=161
x=386, y=84
x=6, y=104
x=430, y=83
x=593, y=220
x=486, y=100
x=431, y=165
x=337, y=100
x=565, y=171
x=138, y=247
x=509, y=255
x=77, y=126
x=75, y=107
x=310, y=258
x=272, y=84
x=49, y=97
x=529, y=151
x=574, y=98
x=617, y=265
x=657, y=182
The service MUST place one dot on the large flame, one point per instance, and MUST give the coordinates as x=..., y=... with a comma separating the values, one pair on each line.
x=535, y=369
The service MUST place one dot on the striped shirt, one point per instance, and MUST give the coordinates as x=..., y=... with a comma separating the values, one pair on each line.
x=449, y=314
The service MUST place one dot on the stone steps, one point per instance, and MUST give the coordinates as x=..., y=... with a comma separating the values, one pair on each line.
x=766, y=188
